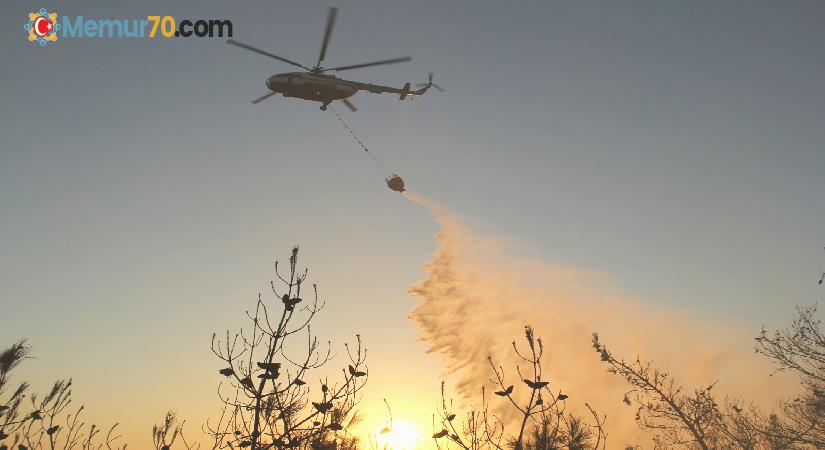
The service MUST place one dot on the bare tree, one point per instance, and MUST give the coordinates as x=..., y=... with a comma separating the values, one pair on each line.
x=680, y=418
x=695, y=419
x=268, y=402
x=798, y=349
x=543, y=422
x=46, y=422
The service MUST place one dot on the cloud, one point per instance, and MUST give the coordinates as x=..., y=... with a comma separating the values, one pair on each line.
x=478, y=294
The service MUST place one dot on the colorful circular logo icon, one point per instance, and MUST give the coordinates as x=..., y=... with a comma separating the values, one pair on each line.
x=42, y=27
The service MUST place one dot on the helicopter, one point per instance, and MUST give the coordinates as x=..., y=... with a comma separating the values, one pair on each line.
x=316, y=85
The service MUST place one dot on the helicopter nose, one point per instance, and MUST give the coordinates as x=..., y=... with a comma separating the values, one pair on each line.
x=273, y=83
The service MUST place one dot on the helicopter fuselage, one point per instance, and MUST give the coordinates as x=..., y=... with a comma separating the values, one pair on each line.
x=308, y=86
x=319, y=87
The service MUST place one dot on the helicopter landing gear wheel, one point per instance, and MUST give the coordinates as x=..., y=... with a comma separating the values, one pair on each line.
x=324, y=106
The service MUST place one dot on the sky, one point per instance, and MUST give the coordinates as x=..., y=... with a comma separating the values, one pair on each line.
x=675, y=147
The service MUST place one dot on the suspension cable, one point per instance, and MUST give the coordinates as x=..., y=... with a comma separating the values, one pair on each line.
x=366, y=150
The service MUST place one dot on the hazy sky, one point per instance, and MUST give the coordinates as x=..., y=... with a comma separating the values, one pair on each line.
x=677, y=146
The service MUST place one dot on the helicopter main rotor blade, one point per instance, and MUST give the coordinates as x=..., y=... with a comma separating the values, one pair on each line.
x=370, y=64
x=261, y=52
x=333, y=12
x=260, y=99
x=349, y=104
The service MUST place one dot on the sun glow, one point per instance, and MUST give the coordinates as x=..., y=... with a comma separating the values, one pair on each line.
x=403, y=436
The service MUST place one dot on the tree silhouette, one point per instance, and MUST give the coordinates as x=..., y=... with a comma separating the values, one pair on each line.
x=696, y=419
x=799, y=349
x=268, y=396
x=679, y=418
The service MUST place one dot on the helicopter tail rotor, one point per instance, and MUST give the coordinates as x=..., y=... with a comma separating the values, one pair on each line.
x=429, y=84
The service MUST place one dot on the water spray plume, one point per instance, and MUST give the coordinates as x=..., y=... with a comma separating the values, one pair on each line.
x=478, y=295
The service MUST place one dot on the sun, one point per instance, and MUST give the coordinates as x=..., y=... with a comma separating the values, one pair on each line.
x=403, y=436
